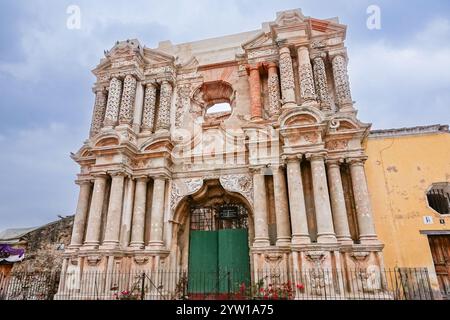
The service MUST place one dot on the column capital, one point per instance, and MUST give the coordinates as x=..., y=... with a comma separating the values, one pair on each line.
x=338, y=53
x=142, y=178
x=102, y=175
x=81, y=182
x=276, y=168
x=318, y=55
x=333, y=162
x=284, y=48
x=150, y=83
x=117, y=173
x=356, y=161
x=257, y=169
x=320, y=155
x=288, y=158
x=162, y=82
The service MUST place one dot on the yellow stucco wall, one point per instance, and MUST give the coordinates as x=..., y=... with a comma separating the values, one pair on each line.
x=399, y=172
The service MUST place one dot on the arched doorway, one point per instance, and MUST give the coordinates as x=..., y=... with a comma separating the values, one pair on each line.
x=218, y=243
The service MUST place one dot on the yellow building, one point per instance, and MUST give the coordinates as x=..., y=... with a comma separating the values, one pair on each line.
x=405, y=165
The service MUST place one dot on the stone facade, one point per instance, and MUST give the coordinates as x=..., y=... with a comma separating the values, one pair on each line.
x=285, y=151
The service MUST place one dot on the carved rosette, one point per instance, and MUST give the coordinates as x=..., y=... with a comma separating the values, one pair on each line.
x=341, y=81
x=148, y=117
x=112, y=107
x=128, y=97
x=182, y=188
x=287, y=76
x=240, y=183
x=183, y=103
x=320, y=78
x=99, y=112
x=163, y=121
x=274, y=91
x=307, y=89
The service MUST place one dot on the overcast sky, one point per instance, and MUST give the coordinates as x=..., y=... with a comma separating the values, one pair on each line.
x=400, y=75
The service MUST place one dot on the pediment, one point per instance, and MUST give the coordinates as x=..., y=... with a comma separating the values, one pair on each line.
x=190, y=64
x=289, y=17
x=153, y=56
x=125, y=48
x=262, y=39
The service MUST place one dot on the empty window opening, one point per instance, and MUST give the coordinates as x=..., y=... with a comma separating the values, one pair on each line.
x=219, y=108
x=438, y=197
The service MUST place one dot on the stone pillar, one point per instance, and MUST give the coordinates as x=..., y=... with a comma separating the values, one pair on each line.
x=320, y=78
x=125, y=232
x=260, y=214
x=165, y=100
x=281, y=207
x=148, y=118
x=299, y=221
x=325, y=231
x=79, y=223
x=287, y=76
x=307, y=90
x=99, y=111
x=254, y=80
x=274, y=89
x=112, y=231
x=138, y=108
x=341, y=83
x=138, y=228
x=95, y=212
x=128, y=99
x=113, y=104
x=362, y=201
x=157, y=220
x=340, y=218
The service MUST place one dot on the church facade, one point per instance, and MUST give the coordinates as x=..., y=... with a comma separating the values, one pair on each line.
x=273, y=181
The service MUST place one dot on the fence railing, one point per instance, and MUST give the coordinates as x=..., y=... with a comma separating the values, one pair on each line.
x=314, y=284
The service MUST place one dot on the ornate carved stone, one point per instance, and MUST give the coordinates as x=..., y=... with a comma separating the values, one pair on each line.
x=341, y=82
x=274, y=90
x=128, y=97
x=165, y=100
x=182, y=188
x=320, y=78
x=112, y=107
x=240, y=183
x=183, y=103
x=337, y=145
x=93, y=260
x=140, y=260
x=307, y=89
x=287, y=76
x=148, y=116
x=99, y=111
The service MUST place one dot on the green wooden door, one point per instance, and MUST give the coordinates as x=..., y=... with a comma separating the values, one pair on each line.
x=203, y=263
x=233, y=260
x=218, y=261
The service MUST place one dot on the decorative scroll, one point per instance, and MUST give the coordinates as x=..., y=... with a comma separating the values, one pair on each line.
x=240, y=183
x=182, y=188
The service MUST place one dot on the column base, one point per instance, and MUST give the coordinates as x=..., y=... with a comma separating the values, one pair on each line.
x=283, y=242
x=136, y=245
x=345, y=240
x=109, y=245
x=74, y=246
x=89, y=246
x=301, y=239
x=259, y=243
x=326, y=238
x=369, y=239
x=155, y=245
x=289, y=104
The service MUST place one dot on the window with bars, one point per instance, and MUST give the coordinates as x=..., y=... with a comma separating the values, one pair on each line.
x=227, y=216
x=438, y=198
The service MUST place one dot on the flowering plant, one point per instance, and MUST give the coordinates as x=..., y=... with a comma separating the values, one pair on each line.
x=126, y=295
x=281, y=291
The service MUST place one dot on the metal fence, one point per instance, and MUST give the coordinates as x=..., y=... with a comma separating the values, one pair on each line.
x=314, y=284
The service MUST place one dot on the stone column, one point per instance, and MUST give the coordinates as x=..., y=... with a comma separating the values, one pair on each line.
x=320, y=78
x=138, y=228
x=99, y=111
x=125, y=232
x=112, y=231
x=128, y=99
x=325, y=231
x=260, y=214
x=165, y=100
x=157, y=220
x=362, y=201
x=274, y=89
x=254, y=80
x=341, y=83
x=79, y=223
x=281, y=207
x=95, y=212
x=340, y=218
x=299, y=221
x=287, y=76
x=113, y=104
x=307, y=90
x=138, y=108
x=148, y=118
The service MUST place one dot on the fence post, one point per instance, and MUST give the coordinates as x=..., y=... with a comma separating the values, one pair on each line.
x=143, y=286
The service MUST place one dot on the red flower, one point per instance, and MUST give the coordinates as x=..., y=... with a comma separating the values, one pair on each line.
x=300, y=286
